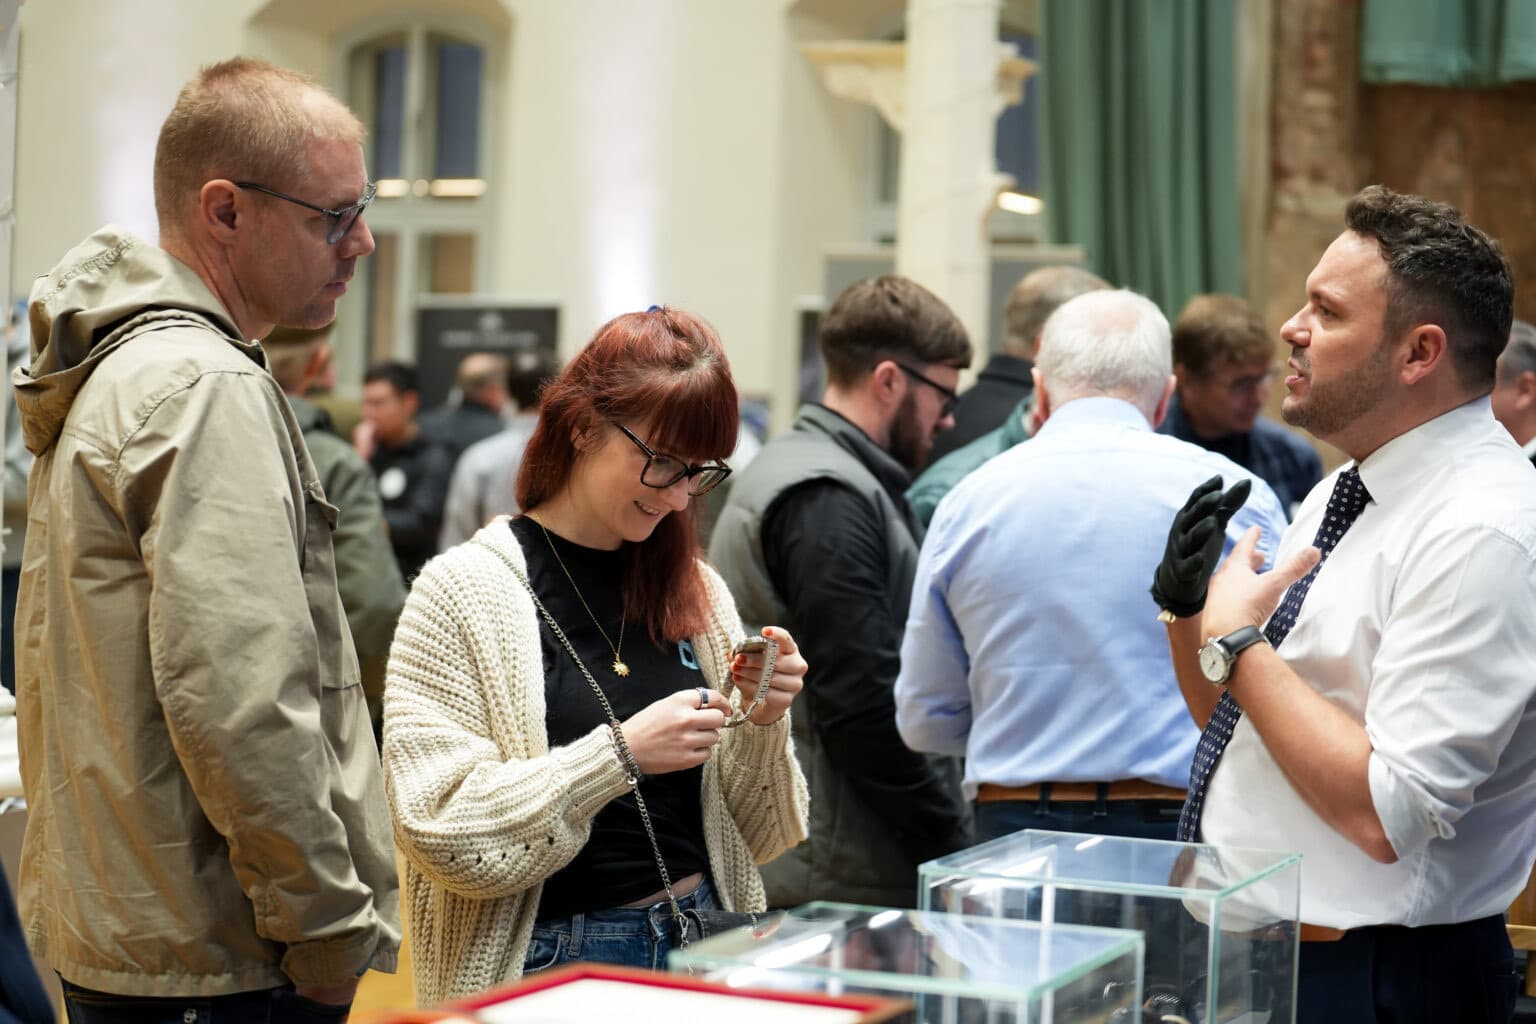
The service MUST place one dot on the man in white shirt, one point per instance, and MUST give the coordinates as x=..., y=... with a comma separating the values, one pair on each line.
x=1387, y=728
x=1514, y=393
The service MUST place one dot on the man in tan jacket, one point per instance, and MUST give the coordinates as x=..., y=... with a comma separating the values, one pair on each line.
x=207, y=836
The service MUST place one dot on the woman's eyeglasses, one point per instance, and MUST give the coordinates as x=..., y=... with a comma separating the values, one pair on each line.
x=662, y=471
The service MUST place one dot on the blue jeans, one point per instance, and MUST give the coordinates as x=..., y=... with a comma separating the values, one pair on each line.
x=630, y=936
x=267, y=1006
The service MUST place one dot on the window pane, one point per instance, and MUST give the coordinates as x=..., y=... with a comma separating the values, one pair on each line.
x=1018, y=128
x=383, y=283
x=378, y=72
x=460, y=79
x=447, y=264
x=389, y=112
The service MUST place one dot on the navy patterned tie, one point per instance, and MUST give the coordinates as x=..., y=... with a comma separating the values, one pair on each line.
x=1344, y=504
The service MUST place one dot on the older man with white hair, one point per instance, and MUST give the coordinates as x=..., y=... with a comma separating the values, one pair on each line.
x=1028, y=648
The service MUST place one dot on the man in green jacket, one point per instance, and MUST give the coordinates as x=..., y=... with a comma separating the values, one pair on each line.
x=366, y=574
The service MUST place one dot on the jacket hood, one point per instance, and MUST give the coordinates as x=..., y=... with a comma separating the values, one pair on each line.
x=102, y=292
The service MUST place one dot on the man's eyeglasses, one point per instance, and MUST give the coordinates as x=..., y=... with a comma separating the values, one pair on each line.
x=1245, y=385
x=951, y=399
x=341, y=220
x=662, y=471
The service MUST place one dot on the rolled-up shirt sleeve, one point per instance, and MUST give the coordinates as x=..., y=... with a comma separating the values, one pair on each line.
x=1451, y=680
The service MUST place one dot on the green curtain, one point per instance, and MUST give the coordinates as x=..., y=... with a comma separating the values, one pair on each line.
x=1138, y=122
x=1448, y=42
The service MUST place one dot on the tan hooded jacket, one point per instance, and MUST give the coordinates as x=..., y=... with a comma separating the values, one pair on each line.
x=206, y=811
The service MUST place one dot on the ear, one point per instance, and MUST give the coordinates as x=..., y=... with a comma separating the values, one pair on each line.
x=1160, y=412
x=412, y=400
x=886, y=381
x=583, y=434
x=220, y=210
x=1181, y=376
x=1042, y=401
x=1525, y=390
x=1423, y=350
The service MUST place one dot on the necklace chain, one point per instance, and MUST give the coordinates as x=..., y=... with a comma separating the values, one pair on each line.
x=619, y=668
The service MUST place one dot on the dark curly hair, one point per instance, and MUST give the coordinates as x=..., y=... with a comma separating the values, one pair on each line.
x=1440, y=270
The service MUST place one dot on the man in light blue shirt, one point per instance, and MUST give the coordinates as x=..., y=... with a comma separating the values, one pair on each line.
x=1028, y=647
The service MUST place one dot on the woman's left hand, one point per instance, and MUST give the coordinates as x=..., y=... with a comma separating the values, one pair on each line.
x=786, y=682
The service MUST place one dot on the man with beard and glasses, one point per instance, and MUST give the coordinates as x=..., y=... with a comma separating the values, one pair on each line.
x=818, y=536
x=1383, y=722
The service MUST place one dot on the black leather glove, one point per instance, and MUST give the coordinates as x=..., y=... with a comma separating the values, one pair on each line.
x=1194, y=546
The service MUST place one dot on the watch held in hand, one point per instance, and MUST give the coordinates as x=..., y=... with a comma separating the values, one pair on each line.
x=1219, y=653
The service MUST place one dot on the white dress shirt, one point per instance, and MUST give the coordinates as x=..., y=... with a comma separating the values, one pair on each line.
x=1422, y=626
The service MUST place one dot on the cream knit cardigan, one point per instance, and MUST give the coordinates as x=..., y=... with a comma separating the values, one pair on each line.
x=484, y=810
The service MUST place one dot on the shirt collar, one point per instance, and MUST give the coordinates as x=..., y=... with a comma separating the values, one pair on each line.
x=1529, y=448
x=1099, y=409
x=1390, y=471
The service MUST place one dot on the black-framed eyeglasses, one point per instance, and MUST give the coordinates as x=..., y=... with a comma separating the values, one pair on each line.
x=662, y=471
x=951, y=398
x=341, y=220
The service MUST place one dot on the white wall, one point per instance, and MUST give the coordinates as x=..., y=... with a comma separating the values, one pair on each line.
x=677, y=151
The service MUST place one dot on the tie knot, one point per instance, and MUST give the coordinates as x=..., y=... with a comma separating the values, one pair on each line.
x=1349, y=493
x=1348, y=499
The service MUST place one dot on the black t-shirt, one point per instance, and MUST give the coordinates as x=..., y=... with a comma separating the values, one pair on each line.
x=616, y=866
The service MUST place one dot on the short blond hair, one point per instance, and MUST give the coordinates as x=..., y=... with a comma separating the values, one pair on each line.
x=244, y=120
x=289, y=352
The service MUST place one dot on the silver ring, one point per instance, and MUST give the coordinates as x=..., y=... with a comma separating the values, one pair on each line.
x=703, y=697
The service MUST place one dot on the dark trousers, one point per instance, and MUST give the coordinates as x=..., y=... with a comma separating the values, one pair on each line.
x=1452, y=972
x=22, y=997
x=10, y=584
x=267, y=1006
x=1132, y=819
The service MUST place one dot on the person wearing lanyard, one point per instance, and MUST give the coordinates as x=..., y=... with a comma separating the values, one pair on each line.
x=561, y=747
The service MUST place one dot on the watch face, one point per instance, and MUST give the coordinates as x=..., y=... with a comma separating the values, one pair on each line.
x=1213, y=662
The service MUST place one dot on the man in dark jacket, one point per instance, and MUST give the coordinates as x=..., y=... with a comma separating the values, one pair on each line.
x=481, y=406
x=1224, y=364
x=412, y=468
x=817, y=536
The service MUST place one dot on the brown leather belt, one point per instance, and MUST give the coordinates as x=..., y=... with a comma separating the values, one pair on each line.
x=1320, y=933
x=1079, y=792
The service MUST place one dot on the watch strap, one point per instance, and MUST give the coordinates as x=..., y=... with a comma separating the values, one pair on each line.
x=1239, y=640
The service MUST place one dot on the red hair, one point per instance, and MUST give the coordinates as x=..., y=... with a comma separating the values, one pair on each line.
x=664, y=366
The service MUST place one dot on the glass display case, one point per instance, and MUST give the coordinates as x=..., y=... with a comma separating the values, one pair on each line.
x=951, y=968
x=1220, y=922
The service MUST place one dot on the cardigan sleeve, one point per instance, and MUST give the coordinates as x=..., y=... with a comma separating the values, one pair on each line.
x=472, y=818
x=760, y=776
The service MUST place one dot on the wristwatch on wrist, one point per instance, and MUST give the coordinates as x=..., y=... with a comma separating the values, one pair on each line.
x=1219, y=653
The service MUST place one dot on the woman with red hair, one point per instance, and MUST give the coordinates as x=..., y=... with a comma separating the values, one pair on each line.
x=560, y=741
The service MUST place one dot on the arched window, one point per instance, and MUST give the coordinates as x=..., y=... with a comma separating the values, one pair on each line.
x=424, y=88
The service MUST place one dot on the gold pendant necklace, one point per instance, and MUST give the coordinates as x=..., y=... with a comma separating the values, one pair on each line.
x=618, y=666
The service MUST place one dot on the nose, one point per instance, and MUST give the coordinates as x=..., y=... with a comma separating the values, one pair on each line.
x=677, y=496
x=359, y=241
x=1292, y=333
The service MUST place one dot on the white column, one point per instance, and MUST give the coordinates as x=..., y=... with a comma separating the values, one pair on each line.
x=948, y=175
